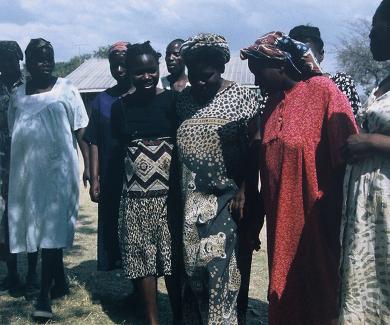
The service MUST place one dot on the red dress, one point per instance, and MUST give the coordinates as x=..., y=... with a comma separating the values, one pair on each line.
x=302, y=173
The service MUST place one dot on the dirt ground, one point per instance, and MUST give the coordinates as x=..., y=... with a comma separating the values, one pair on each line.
x=106, y=297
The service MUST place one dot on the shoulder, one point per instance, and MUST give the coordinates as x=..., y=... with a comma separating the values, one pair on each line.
x=246, y=92
x=342, y=76
x=168, y=94
x=66, y=86
x=184, y=95
x=319, y=81
x=343, y=80
x=165, y=82
x=321, y=85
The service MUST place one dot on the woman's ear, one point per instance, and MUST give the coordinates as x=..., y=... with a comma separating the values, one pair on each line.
x=282, y=70
x=321, y=58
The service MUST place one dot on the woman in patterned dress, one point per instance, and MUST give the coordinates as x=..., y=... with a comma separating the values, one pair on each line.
x=365, y=235
x=311, y=36
x=144, y=124
x=212, y=145
x=306, y=121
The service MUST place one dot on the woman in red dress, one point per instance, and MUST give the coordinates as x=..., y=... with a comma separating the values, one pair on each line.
x=305, y=123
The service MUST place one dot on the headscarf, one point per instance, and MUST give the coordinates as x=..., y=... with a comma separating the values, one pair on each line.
x=11, y=48
x=120, y=46
x=35, y=44
x=278, y=48
x=191, y=47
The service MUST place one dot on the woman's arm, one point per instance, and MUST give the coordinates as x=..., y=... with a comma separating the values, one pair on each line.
x=84, y=151
x=94, y=190
x=360, y=146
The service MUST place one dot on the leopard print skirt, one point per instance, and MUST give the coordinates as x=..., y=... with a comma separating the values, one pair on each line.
x=144, y=237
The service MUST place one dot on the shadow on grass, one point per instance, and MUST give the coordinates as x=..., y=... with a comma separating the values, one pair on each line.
x=85, y=225
x=9, y=308
x=116, y=294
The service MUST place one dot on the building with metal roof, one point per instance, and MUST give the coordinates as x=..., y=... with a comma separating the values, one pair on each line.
x=93, y=76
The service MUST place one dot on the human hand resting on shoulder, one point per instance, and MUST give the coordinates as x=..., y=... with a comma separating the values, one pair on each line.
x=357, y=147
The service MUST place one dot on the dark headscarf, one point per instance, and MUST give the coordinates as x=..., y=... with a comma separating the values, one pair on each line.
x=279, y=49
x=191, y=47
x=34, y=45
x=11, y=49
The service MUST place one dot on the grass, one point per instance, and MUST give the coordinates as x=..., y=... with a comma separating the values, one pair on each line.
x=105, y=297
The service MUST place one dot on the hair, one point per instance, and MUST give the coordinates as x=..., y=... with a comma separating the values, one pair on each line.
x=307, y=33
x=207, y=55
x=176, y=41
x=136, y=49
x=384, y=10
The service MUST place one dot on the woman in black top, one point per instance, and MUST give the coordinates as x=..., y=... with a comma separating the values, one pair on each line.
x=144, y=124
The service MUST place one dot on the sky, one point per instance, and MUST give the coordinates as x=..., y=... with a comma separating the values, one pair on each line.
x=78, y=27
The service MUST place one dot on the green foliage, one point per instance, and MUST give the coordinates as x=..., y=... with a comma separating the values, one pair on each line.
x=101, y=52
x=62, y=69
x=355, y=58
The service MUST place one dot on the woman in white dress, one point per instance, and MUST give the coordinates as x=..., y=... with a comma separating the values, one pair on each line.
x=365, y=273
x=46, y=119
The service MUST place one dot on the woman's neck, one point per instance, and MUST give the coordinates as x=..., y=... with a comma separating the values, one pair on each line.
x=120, y=89
x=36, y=85
x=172, y=78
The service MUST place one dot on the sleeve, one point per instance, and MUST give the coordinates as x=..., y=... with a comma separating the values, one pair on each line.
x=346, y=84
x=77, y=114
x=11, y=113
x=116, y=119
x=340, y=123
x=92, y=132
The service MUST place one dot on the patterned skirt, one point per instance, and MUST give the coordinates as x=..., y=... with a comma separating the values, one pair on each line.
x=144, y=237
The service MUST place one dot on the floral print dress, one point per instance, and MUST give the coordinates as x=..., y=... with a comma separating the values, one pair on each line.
x=365, y=235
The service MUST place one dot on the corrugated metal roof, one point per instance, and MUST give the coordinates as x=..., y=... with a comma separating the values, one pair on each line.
x=94, y=74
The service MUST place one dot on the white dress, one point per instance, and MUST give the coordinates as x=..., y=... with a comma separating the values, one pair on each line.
x=365, y=271
x=44, y=173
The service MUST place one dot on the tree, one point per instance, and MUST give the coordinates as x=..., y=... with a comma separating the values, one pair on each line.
x=62, y=69
x=101, y=52
x=354, y=57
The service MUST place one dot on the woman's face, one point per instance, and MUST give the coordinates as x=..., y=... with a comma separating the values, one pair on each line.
x=145, y=72
x=205, y=80
x=380, y=38
x=41, y=64
x=173, y=59
x=318, y=53
x=118, y=66
x=266, y=78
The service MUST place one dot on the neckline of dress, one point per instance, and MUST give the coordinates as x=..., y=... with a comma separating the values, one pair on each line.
x=381, y=96
x=44, y=93
x=218, y=94
x=225, y=89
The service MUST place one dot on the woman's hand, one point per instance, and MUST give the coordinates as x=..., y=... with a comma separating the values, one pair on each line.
x=86, y=177
x=357, y=147
x=94, y=191
x=236, y=205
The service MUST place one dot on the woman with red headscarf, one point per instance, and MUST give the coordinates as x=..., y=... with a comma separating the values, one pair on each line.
x=306, y=121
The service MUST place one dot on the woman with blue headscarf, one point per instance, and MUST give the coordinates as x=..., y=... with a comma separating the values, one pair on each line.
x=305, y=123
